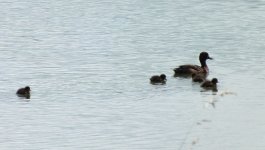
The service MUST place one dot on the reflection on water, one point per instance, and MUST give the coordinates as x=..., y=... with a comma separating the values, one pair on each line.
x=89, y=64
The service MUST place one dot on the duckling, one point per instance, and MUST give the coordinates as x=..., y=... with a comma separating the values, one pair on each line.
x=188, y=70
x=24, y=92
x=210, y=85
x=158, y=79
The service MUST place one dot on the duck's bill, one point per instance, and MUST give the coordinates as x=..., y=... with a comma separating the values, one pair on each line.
x=210, y=58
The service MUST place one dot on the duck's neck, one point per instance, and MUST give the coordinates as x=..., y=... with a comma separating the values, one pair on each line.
x=203, y=63
x=204, y=66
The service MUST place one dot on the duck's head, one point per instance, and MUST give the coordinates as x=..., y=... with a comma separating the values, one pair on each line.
x=214, y=80
x=204, y=56
x=27, y=88
x=163, y=76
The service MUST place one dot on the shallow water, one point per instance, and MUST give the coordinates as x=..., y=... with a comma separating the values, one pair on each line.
x=89, y=63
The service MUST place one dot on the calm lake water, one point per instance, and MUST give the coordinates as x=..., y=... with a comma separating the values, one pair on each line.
x=88, y=64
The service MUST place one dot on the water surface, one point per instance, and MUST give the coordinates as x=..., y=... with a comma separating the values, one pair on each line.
x=88, y=64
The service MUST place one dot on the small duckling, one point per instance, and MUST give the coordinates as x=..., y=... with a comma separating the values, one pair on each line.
x=158, y=79
x=210, y=85
x=24, y=92
x=197, y=77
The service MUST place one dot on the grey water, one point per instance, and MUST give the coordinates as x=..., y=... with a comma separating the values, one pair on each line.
x=88, y=64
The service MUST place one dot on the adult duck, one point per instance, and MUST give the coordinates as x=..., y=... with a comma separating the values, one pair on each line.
x=188, y=70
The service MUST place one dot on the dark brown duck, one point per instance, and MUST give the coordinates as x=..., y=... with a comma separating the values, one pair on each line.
x=188, y=70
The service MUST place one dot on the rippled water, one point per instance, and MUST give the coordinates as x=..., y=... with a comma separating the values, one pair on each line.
x=88, y=64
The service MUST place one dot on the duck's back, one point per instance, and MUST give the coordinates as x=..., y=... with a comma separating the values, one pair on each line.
x=21, y=91
x=187, y=69
x=155, y=79
x=207, y=84
x=189, y=66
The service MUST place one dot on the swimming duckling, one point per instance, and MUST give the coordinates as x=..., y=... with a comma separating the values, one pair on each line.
x=24, y=92
x=158, y=79
x=188, y=70
x=210, y=85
